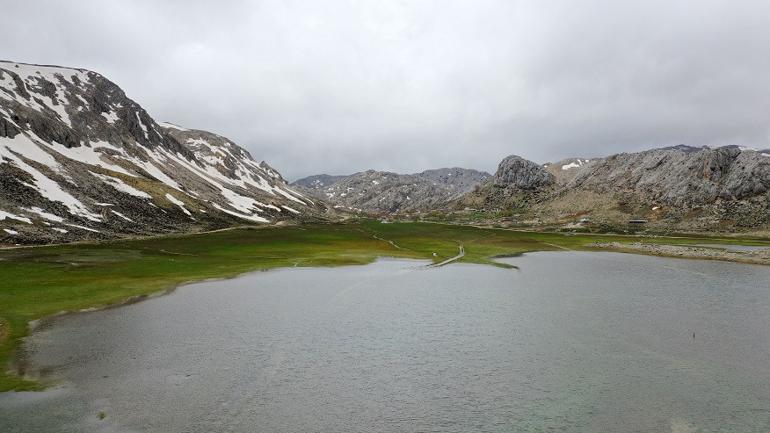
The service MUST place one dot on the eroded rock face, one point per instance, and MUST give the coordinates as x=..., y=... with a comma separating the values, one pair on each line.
x=521, y=174
x=681, y=176
x=79, y=159
x=680, y=187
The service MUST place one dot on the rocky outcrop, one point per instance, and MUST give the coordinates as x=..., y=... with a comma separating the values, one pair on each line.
x=518, y=173
x=81, y=160
x=681, y=176
x=516, y=185
x=379, y=191
x=678, y=188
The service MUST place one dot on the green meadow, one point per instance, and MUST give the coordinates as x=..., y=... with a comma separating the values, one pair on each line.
x=38, y=282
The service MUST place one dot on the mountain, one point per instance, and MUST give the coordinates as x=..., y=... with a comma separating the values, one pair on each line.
x=81, y=160
x=677, y=187
x=381, y=191
x=318, y=181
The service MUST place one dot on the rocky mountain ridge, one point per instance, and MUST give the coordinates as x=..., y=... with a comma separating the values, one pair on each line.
x=81, y=160
x=381, y=191
x=318, y=181
x=680, y=187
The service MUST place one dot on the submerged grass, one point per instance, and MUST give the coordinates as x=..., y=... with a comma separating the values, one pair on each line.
x=40, y=282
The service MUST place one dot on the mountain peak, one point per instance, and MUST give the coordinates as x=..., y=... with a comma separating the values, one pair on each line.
x=79, y=159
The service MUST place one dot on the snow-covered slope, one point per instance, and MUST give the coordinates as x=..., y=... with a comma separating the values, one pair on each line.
x=79, y=159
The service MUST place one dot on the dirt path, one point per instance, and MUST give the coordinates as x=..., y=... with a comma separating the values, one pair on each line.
x=557, y=246
x=388, y=241
x=451, y=259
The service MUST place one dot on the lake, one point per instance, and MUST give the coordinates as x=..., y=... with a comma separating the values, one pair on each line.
x=569, y=342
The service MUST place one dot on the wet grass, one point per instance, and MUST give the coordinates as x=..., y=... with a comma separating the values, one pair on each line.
x=40, y=282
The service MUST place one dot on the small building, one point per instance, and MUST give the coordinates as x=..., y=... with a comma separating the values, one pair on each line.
x=637, y=221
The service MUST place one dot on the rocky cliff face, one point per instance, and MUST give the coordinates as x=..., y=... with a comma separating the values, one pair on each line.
x=678, y=187
x=516, y=183
x=682, y=187
x=517, y=173
x=79, y=159
x=379, y=191
x=681, y=176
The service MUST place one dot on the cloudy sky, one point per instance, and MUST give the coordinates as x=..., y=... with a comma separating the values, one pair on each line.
x=342, y=86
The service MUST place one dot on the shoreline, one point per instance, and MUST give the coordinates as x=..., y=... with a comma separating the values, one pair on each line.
x=757, y=257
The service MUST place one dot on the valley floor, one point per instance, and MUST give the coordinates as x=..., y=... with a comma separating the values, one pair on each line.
x=44, y=281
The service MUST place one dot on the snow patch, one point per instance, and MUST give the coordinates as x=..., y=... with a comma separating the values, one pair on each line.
x=141, y=125
x=154, y=171
x=90, y=155
x=172, y=126
x=4, y=215
x=44, y=214
x=121, y=215
x=111, y=117
x=179, y=203
x=577, y=163
x=239, y=215
x=24, y=146
x=82, y=228
x=47, y=187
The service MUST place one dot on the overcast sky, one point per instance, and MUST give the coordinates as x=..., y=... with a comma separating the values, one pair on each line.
x=341, y=86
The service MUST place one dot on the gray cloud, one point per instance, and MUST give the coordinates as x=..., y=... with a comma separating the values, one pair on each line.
x=341, y=86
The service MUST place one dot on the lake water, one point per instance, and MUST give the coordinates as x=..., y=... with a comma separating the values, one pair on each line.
x=570, y=342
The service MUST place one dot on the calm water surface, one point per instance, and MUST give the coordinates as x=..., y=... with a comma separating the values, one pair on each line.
x=571, y=342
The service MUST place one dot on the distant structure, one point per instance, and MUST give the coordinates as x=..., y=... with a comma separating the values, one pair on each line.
x=637, y=221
